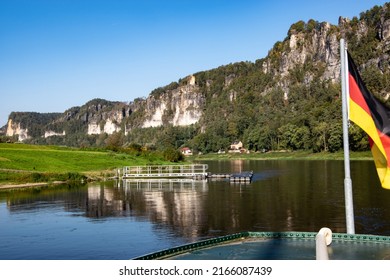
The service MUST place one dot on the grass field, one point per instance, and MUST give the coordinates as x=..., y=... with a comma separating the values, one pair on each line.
x=19, y=161
x=22, y=163
x=286, y=155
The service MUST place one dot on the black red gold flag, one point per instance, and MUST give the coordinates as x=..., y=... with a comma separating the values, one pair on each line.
x=373, y=117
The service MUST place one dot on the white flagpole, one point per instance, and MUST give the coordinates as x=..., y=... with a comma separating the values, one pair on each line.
x=347, y=180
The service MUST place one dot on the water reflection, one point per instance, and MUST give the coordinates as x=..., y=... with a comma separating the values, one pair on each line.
x=284, y=196
x=237, y=166
x=177, y=203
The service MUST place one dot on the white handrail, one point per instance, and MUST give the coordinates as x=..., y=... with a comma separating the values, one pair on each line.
x=323, y=239
x=149, y=171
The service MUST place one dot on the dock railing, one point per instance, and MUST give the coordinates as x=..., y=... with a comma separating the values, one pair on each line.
x=166, y=171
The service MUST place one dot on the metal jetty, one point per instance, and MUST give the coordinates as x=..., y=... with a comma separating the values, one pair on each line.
x=194, y=171
x=242, y=177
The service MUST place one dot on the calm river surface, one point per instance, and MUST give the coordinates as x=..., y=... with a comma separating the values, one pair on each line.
x=119, y=220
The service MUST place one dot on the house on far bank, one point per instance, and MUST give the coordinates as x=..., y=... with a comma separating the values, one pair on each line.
x=186, y=151
x=237, y=147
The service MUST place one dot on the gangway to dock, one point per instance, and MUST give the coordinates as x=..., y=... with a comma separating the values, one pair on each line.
x=194, y=171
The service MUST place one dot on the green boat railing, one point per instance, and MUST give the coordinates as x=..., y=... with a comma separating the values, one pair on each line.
x=311, y=236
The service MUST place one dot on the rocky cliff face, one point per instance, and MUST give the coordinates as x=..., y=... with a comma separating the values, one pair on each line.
x=180, y=106
x=27, y=125
x=321, y=50
x=310, y=52
x=95, y=117
x=14, y=129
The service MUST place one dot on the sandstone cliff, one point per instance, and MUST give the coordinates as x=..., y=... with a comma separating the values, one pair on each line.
x=309, y=54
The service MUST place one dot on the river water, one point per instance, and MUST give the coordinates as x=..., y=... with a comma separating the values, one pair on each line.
x=122, y=220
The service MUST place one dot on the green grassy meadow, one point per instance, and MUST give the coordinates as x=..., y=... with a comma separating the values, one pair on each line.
x=19, y=161
x=22, y=163
x=286, y=155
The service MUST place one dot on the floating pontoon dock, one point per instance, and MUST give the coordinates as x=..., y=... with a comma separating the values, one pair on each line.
x=242, y=177
x=193, y=171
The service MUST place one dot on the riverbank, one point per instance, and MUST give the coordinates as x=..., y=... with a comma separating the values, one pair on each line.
x=24, y=166
x=35, y=164
x=29, y=185
x=284, y=155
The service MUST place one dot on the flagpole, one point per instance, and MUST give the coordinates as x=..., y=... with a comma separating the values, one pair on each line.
x=347, y=179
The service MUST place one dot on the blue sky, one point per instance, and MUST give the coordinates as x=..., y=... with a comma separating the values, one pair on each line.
x=56, y=54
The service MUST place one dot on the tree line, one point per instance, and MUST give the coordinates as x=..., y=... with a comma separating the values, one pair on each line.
x=242, y=102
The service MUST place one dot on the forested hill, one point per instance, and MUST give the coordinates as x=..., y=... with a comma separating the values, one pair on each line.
x=288, y=100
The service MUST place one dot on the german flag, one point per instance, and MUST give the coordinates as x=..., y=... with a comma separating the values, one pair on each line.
x=373, y=117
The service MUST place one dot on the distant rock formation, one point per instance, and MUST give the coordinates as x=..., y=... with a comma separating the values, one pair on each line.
x=308, y=54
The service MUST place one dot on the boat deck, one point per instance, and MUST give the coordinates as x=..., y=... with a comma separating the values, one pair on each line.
x=279, y=246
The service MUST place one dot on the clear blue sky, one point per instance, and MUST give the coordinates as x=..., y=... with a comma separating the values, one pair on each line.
x=56, y=54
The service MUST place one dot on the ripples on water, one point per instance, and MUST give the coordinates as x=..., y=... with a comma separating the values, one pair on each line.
x=121, y=221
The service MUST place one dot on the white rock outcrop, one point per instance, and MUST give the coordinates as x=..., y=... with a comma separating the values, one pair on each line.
x=53, y=133
x=179, y=107
x=15, y=129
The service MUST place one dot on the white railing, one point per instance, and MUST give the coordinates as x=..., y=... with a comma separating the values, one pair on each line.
x=165, y=171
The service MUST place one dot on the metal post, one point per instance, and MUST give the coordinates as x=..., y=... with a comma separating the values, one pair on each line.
x=323, y=240
x=347, y=180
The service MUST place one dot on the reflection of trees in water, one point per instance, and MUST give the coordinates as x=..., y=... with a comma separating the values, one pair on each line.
x=190, y=210
x=71, y=196
x=284, y=196
x=179, y=205
x=181, y=208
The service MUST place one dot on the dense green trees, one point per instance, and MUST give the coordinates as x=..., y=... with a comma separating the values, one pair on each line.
x=36, y=122
x=308, y=117
x=250, y=102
